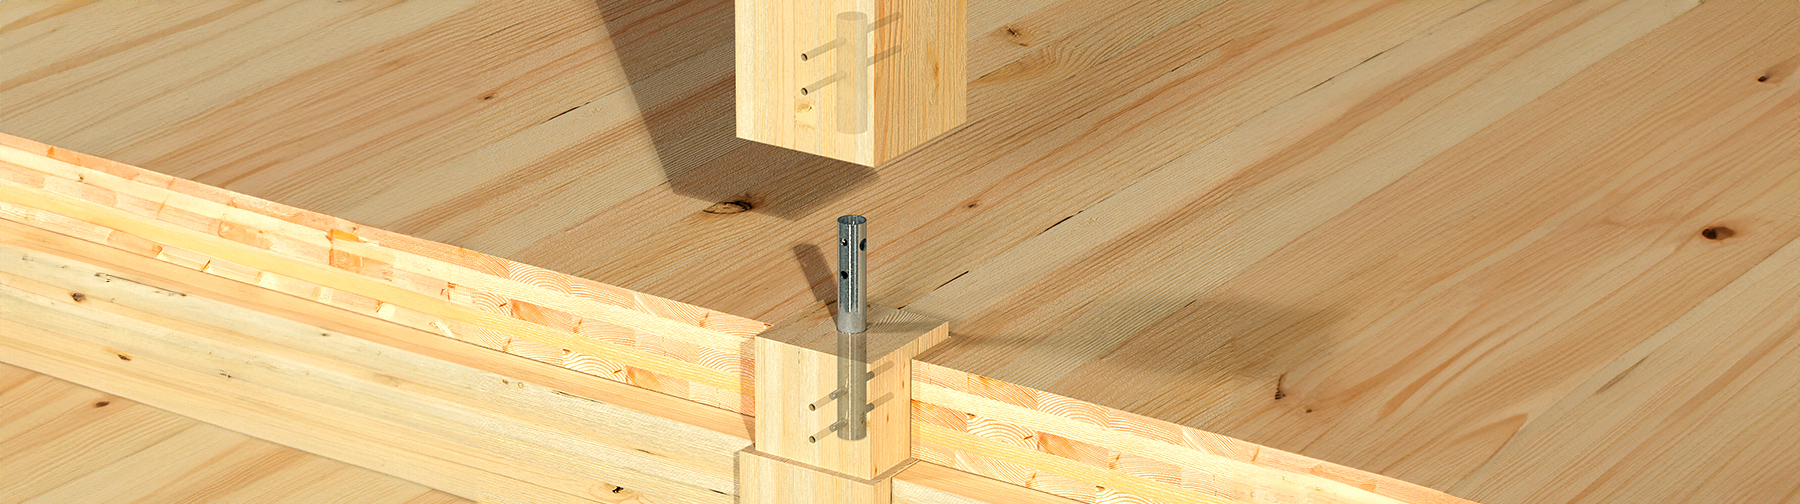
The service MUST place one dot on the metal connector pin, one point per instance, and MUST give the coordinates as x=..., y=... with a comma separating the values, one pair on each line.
x=852, y=323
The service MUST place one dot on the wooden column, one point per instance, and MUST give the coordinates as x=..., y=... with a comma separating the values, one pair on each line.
x=798, y=384
x=856, y=80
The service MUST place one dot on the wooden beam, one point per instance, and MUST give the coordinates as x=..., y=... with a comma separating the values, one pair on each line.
x=929, y=482
x=400, y=390
x=596, y=328
x=296, y=407
x=855, y=80
x=1090, y=452
x=464, y=430
x=350, y=342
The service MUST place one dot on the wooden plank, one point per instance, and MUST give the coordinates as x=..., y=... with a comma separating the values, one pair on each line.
x=1102, y=479
x=964, y=419
x=583, y=322
x=98, y=447
x=384, y=332
x=1679, y=429
x=441, y=424
x=925, y=482
x=53, y=432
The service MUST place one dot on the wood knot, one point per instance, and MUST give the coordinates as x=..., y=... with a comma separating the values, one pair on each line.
x=1018, y=36
x=1717, y=233
x=78, y=297
x=1764, y=78
x=729, y=207
x=102, y=404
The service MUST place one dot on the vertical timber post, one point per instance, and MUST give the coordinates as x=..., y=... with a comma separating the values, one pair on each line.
x=834, y=395
x=862, y=81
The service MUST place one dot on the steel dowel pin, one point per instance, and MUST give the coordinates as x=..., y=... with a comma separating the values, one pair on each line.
x=853, y=300
x=852, y=323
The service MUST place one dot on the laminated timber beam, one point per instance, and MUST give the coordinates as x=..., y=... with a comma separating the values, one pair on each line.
x=505, y=383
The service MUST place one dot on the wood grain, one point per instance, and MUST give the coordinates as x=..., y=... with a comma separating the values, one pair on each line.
x=596, y=328
x=70, y=444
x=1037, y=439
x=300, y=411
x=861, y=81
x=769, y=480
x=473, y=433
x=1689, y=430
x=1399, y=236
x=948, y=485
x=799, y=373
x=122, y=224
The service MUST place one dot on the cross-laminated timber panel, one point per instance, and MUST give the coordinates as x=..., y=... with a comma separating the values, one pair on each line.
x=210, y=304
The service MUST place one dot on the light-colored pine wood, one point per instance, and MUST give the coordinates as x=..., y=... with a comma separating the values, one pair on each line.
x=1396, y=234
x=470, y=432
x=798, y=370
x=765, y=479
x=895, y=337
x=63, y=443
x=965, y=421
x=1719, y=429
x=862, y=81
x=925, y=482
x=584, y=325
x=301, y=411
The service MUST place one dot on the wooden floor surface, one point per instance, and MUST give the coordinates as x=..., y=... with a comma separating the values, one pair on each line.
x=1524, y=252
x=63, y=443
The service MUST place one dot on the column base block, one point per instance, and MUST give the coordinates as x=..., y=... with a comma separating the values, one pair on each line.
x=766, y=479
